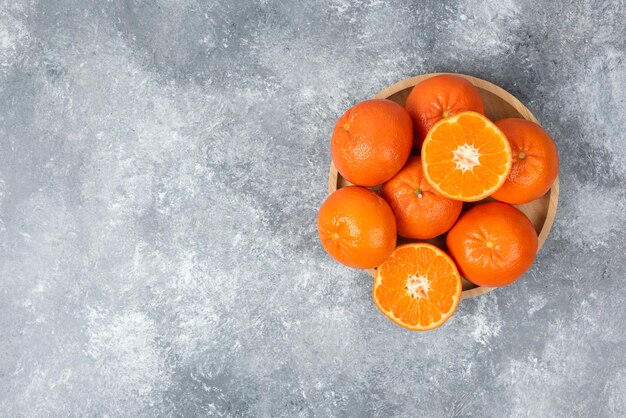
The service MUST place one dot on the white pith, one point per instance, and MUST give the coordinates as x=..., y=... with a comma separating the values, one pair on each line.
x=417, y=286
x=466, y=157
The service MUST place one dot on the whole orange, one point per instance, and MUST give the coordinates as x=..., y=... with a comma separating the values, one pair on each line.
x=535, y=162
x=420, y=211
x=437, y=98
x=357, y=227
x=372, y=141
x=493, y=244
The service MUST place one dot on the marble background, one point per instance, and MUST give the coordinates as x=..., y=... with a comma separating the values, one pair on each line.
x=161, y=166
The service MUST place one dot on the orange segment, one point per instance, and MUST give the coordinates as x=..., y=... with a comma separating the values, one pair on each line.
x=418, y=287
x=466, y=157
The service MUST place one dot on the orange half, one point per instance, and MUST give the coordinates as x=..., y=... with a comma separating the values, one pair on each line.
x=418, y=287
x=466, y=157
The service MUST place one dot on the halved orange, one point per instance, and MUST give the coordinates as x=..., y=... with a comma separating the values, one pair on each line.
x=466, y=157
x=418, y=287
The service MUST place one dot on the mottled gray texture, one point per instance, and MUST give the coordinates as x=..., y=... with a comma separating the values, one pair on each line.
x=161, y=166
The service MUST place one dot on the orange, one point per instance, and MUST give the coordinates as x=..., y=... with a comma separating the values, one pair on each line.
x=493, y=244
x=466, y=157
x=438, y=98
x=372, y=141
x=421, y=212
x=418, y=287
x=535, y=162
x=357, y=227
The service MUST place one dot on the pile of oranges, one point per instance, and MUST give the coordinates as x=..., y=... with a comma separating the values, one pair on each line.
x=412, y=168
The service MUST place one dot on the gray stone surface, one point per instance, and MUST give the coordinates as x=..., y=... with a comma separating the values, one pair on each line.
x=161, y=166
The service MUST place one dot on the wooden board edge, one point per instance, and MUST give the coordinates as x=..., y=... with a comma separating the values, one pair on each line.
x=551, y=215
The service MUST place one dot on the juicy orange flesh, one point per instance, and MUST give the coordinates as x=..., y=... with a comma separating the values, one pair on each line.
x=494, y=156
x=394, y=297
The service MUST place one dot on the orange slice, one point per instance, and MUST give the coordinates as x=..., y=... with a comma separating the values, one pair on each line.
x=466, y=157
x=418, y=287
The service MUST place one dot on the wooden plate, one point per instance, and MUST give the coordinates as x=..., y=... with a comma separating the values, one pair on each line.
x=498, y=105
